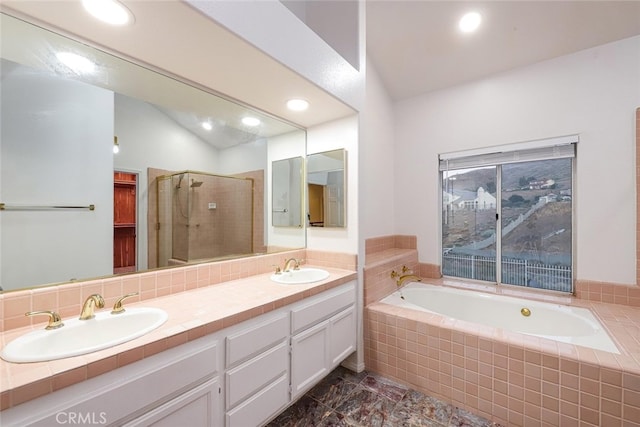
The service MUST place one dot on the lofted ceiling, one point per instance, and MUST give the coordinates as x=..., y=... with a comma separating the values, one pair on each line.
x=416, y=46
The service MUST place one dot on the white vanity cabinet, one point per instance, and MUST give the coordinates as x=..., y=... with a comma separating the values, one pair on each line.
x=181, y=383
x=241, y=376
x=324, y=334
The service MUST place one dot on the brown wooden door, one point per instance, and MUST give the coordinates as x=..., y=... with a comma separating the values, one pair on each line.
x=316, y=205
x=124, y=222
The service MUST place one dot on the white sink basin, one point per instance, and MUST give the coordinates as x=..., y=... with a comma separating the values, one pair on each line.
x=78, y=337
x=301, y=276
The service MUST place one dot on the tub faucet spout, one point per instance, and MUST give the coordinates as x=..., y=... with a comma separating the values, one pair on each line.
x=407, y=278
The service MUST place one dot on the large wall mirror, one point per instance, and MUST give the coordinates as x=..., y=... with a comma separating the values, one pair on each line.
x=189, y=183
x=326, y=189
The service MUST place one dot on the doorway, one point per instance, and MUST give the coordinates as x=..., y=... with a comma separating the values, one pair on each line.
x=316, y=205
x=124, y=221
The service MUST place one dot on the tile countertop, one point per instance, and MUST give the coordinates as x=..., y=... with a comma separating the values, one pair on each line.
x=192, y=314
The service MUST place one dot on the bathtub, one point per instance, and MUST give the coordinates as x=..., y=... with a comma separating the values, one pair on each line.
x=574, y=325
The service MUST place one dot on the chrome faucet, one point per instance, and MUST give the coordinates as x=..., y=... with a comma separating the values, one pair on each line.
x=89, y=305
x=287, y=264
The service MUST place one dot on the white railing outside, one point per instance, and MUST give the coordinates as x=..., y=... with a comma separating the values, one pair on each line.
x=515, y=271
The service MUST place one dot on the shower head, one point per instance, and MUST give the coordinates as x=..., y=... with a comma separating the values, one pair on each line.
x=195, y=183
x=180, y=178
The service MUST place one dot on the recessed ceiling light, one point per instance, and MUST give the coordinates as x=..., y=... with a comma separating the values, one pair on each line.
x=297, y=104
x=207, y=125
x=251, y=121
x=470, y=22
x=78, y=64
x=110, y=11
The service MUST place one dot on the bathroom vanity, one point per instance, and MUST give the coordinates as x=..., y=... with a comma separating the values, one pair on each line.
x=238, y=375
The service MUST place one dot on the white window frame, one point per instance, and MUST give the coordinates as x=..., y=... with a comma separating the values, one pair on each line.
x=528, y=151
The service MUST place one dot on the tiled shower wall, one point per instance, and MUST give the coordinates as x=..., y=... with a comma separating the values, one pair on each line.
x=222, y=231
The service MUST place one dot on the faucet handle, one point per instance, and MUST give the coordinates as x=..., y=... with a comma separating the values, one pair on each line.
x=55, y=321
x=117, y=307
x=406, y=269
x=394, y=274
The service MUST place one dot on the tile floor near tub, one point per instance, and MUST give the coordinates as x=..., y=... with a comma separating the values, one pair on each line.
x=345, y=398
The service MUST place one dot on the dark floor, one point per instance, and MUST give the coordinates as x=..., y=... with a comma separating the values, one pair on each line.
x=344, y=398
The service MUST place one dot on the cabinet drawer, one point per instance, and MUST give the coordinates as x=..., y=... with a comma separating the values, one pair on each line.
x=260, y=407
x=251, y=376
x=308, y=314
x=254, y=339
x=197, y=407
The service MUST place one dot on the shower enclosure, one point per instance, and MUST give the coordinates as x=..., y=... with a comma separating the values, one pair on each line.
x=203, y=216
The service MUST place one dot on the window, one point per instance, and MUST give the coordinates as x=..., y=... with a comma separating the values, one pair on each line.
x=507, y=214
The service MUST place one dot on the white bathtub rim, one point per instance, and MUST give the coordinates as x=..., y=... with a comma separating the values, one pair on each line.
x=604, y=343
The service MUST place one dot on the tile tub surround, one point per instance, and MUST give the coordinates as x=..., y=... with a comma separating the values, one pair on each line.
x=366, y=399
x=510, y=378
x=377, y=272
x=192, y=315
x=383, y=243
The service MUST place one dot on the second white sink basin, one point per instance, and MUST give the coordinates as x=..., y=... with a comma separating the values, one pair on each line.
x=78, y=337
x=301, y=276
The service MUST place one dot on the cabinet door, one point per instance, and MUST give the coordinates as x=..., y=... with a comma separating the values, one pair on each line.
x=342, y=336
x=309, y=358
x=199, y=406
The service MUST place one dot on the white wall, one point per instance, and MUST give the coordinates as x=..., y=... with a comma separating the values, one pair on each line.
x=337, y=22
x=241, y=158
x=57, y=139
x=341, y=133
x=593, y=93
x=376, y=162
